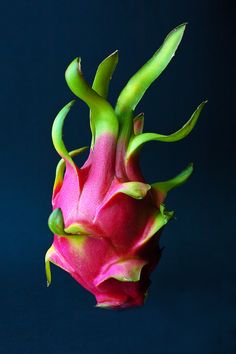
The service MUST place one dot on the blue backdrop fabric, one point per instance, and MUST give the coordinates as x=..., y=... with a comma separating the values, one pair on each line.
x=191, y=304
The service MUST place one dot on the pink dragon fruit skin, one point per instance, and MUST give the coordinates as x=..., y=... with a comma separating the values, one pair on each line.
x=106, y=219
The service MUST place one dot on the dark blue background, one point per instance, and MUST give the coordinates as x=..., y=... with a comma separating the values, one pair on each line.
x=191, y=305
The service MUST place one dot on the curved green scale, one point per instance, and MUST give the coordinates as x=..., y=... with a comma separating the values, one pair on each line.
x=57, y=226
x=160, y=219
x=137, y=141
x=54, y=257
x=101, y=81
x=57, y=133
x=103, y=115
x=61, y=166
x=166, y=186
x=124, y=270
x=136, y=190
x=56, y=223
x=104, y=74
x=47, y=266
x=139, y=83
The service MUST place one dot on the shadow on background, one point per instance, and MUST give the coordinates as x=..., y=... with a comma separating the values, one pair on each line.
x=191, y=306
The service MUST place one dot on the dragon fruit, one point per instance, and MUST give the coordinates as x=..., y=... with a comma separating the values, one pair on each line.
x=106, y=219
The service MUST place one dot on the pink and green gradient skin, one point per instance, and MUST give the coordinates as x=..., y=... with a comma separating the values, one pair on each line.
x=106, y=219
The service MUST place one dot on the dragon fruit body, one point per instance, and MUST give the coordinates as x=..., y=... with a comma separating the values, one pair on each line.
x=106, y=219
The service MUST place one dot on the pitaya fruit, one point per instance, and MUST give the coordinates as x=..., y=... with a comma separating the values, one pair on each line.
x=106, y=219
